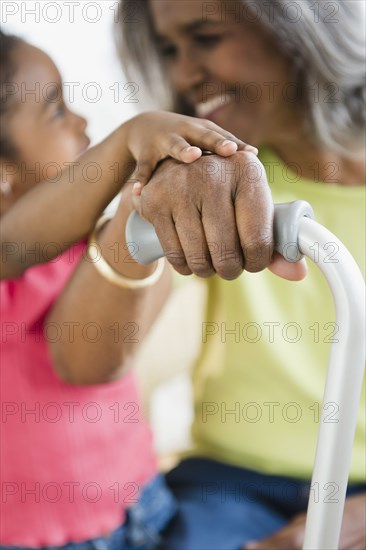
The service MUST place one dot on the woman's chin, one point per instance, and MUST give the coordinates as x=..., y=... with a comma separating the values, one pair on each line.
x=243, y=131
x=243, y=124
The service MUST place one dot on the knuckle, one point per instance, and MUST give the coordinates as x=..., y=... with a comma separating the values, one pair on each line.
x=227, y=259
x=228, y=270
x=176, y=259
x=258, y=232
x=150, y=207
x=254, y=267
x=208, y=134
x=231, y=136
x=182, y=269
x=205, y=122
x=218, y=140
x=201, y=267
x=258, y=254
x=212, y=126
x=184, y=209
x=186, y=125
x=177, y=146
x=204, y=273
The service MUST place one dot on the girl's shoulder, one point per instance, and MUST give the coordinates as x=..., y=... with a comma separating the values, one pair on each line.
x=28, y=297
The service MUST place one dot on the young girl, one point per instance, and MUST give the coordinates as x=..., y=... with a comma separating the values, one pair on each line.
x=76, y=459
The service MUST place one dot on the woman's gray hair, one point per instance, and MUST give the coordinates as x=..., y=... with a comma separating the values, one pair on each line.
x=325, y=41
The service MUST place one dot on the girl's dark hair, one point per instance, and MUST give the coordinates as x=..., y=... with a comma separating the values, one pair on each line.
x=8, y=45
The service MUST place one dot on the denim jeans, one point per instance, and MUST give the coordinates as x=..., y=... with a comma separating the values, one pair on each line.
x=210, y=506
x=222, y=507
x=143, y=526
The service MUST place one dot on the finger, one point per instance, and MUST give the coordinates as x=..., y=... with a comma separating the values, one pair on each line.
x=221, y=234
x=142, y=173
x=127, y=198
x=169, y=240
x=136, y=201
x=137, y=188
x=178, y=148
x=157, y=211
x=242, y=145
x=196, y=138
x=287, y=270
x=213, y=141
x=254, y=215
x=193, y=241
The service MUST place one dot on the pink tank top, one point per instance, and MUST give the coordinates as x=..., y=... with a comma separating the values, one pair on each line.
x=72, y=458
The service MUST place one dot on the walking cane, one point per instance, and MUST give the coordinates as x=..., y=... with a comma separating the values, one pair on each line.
x=296, y=233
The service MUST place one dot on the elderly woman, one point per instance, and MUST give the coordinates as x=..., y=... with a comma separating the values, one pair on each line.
x=289, y=78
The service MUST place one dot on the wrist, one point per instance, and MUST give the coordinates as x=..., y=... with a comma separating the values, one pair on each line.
x=123, y=138
x=121, y=162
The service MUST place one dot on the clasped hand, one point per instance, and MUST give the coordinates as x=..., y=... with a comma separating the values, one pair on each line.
x=215, y=215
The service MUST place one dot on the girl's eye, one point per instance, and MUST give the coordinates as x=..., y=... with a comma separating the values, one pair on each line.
x=60, y=111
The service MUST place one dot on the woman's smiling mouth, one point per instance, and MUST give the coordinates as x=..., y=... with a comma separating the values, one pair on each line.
x=208, y=108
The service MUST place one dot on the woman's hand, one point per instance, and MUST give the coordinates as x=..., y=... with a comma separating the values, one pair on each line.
x=353, y=533
x=215, y=216
x=154, y=136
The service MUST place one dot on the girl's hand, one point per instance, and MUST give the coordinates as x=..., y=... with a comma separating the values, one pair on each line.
x=153, y=136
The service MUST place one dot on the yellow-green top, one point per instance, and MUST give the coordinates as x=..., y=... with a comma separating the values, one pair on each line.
x=259, y=379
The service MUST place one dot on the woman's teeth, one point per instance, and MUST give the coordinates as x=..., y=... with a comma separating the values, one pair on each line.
x=207, y=107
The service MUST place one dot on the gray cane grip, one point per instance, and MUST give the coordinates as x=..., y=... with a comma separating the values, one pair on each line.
x=142, y=241
x=287, y=218
x=145, y=247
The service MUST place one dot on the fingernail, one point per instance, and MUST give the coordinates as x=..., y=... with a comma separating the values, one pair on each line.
x=137, y=186
x=191, y=148
x=251, y=149
x=227, y=142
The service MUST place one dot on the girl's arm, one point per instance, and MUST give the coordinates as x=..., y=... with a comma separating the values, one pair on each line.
x=63, y=213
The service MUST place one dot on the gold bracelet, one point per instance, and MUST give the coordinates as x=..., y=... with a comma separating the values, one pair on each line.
x=109, y=273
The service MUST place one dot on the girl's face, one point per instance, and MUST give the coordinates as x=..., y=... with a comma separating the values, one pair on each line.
x=228, y=68
x=44, y=132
